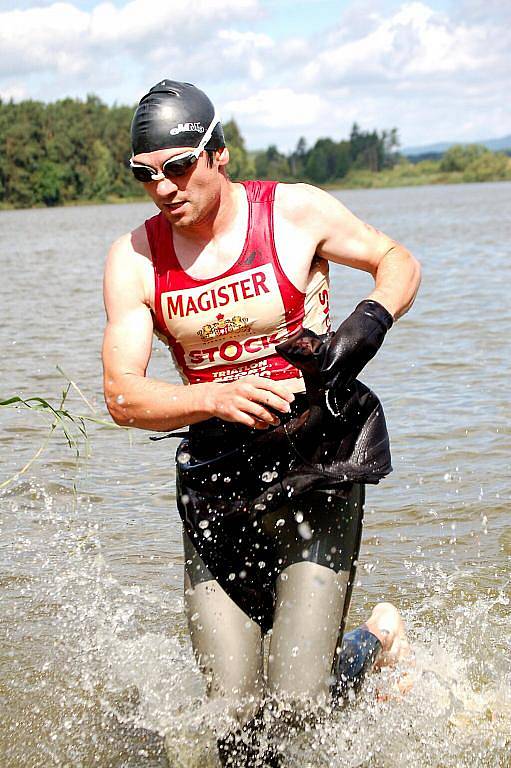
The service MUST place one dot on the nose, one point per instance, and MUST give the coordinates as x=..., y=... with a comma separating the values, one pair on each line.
x=165, y=187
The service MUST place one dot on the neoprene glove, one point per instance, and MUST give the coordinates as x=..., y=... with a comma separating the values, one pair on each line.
x=333, y=361
x=355, y=342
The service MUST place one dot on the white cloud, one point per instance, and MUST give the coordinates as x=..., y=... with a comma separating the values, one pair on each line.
x=41, y=38
x=15, y=91
x=278, y=108
x=62, y=38
x=416, y=41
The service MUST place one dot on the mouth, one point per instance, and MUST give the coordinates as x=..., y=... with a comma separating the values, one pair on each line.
x=175, y=206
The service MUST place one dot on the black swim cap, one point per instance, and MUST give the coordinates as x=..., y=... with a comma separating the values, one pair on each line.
x=175, y=114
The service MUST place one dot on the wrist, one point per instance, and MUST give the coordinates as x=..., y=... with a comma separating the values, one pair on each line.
x=377, y=311
x=203, y=400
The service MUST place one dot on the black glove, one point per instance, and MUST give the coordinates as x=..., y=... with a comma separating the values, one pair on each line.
x=333, y=361
x=355, y=342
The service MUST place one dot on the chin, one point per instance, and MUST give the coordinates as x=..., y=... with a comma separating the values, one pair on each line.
x=178, y=219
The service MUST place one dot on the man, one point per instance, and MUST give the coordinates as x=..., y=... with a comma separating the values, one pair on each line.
x=230, y=275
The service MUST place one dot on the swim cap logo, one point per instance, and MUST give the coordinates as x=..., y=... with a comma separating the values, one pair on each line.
x=185, y=127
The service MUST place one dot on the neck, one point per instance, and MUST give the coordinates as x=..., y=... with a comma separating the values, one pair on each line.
x=216, y=221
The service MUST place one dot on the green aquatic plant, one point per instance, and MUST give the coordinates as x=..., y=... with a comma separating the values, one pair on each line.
x=72, y=425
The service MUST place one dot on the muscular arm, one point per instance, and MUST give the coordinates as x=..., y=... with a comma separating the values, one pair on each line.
x=339, y=236
x=135, y=400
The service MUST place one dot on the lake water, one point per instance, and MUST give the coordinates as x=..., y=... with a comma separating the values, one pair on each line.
x=95, y=663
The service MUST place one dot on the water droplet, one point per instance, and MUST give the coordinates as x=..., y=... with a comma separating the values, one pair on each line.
x=261, y=564
x=195, y=616
x=185, y=498
x=119, y=399
x=184, y=457
x=284, y=576
x=204, y=524
x=260, y=506
x=243, y=574
x=305, y=531
x=207, y=533
x=280, y=522
x=267, y=477
x=227, y=479
x=295, y=651
x=214, y=477
x=299, y=517
x=231, y=576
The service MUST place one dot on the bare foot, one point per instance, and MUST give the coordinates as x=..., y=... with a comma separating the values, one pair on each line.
x=386, y=623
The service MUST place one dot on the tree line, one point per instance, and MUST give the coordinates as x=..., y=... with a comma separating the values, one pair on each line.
x=73, y=150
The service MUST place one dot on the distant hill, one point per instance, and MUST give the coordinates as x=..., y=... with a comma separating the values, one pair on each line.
x=496, y=145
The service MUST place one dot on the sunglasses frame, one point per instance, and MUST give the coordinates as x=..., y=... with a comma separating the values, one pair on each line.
x=191, y=155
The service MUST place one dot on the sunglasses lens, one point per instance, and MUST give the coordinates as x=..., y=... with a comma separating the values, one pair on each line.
x=178, y=167
x=141, y=173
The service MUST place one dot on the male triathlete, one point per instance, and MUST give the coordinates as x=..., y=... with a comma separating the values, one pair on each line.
x=229, y=275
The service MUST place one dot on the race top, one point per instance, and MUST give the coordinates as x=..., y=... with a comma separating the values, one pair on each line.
x=225, y=327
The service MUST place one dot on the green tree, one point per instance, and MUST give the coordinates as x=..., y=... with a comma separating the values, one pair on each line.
x=272, y=164
x=102, y=168
x=488, y=167
x=240, y=164
x=298, y=159
x=47, y=183
x=316, y=167
x=460, y=156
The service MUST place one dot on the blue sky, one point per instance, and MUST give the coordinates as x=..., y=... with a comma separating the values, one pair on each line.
x=435, y=69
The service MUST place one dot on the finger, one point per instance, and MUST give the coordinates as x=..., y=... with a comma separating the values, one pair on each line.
x=278, y=389
x=269, y=399
x=254, y=408
x=248, y=420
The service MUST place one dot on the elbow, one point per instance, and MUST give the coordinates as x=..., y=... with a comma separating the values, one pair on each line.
x=416, y=277
x=119, y=417
x=411, y=274
x=414, y=282
x=117, y=407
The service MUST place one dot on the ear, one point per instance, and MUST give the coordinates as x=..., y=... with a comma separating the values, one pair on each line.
x=222, y=156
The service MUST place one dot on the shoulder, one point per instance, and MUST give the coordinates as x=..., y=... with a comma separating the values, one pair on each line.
x=131, y=245
x=128, y=264
x=304, y=203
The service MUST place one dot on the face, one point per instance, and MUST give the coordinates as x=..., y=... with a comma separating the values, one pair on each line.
x=185, y=200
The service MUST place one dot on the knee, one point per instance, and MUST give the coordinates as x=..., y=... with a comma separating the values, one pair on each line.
x=300, y=685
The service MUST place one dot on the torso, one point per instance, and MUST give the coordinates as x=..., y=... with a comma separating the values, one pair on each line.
x=222, y=326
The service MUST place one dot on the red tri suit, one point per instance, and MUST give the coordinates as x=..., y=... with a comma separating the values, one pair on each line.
x=227, y=326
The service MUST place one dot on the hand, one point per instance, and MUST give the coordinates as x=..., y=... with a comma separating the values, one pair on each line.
x=355, y=342
x=251, y=400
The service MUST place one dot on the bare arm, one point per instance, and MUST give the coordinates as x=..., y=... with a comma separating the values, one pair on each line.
x=343, y=238
x=135, y=400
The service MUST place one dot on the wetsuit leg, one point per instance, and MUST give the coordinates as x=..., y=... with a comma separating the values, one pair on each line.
x=226, y=642
x=310, y=605
x=311, y=548
x=318, y=540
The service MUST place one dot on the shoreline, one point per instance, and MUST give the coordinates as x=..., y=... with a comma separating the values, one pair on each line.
x=368, y=180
